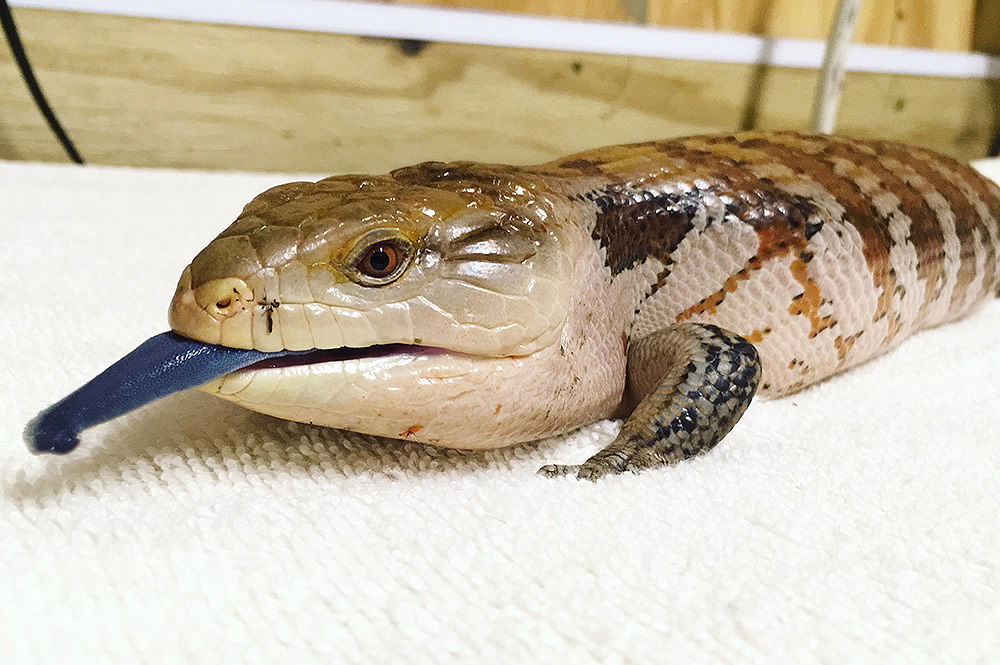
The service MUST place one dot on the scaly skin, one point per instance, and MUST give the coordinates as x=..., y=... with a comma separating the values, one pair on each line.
x=528, y=294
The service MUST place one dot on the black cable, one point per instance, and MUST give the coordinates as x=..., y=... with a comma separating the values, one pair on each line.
x=21, y=58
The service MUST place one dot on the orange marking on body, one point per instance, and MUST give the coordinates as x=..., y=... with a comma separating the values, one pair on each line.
x=808, y=303
x=774, y=240
x=844, y=345
x=801, y=364
x=410, y=431
x=778, y=240
x=496, y=411
x=710, y=305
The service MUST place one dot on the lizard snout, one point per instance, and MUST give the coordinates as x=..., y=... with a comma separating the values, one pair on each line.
x=225, y=297
x=200, y=313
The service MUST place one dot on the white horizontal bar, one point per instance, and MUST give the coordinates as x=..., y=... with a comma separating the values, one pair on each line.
x=519, y=31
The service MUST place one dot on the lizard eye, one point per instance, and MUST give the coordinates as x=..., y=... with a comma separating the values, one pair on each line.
x=381, y=262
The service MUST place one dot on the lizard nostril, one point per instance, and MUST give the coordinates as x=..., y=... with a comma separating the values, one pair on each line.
x=222, y=298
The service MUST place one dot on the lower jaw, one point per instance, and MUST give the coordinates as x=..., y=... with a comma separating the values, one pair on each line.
x=434, y=396
x=428, y=395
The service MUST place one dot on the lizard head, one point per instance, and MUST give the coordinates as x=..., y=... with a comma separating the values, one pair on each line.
x=361, y=261
x=413, y=285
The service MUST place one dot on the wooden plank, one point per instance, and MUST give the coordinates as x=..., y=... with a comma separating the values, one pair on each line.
x=921, y=23
x=953, y=25
x=158, y=93
x=947, y=26
x=598, y=10
x=987, y=34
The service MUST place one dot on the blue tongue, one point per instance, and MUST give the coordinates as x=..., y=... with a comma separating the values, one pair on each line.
x=163, y=364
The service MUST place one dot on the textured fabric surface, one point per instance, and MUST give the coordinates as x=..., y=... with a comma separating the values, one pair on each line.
x=853, y=522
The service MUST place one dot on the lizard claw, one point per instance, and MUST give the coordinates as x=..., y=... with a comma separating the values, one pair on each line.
x=557, y=470
x=598, y=466
x=589, y=470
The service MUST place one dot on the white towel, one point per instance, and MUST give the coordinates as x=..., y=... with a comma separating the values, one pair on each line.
x=854, y=522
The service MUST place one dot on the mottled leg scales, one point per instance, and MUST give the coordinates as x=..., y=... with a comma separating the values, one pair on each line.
x=695, y=381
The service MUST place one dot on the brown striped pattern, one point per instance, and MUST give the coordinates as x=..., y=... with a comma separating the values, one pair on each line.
x=924, y=228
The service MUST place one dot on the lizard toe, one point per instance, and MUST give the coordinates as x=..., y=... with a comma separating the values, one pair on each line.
x=558, y=470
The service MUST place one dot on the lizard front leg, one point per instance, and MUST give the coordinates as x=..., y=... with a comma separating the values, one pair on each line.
x=694, y=382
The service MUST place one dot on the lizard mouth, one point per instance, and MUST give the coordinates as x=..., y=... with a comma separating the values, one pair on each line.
x=320, y=356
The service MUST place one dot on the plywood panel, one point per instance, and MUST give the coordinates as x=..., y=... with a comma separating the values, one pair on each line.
x=606, y=10
x=953, y=25
x=924, y=23
x=987, y=34
x=160, y=93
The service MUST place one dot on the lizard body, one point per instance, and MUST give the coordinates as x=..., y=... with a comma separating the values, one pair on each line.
x=478, y=305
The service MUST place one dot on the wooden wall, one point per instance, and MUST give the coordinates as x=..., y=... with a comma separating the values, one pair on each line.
x=161, y=93
x=598, y=10
x=927, y=23
x=953, y=25
x=987, y=34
